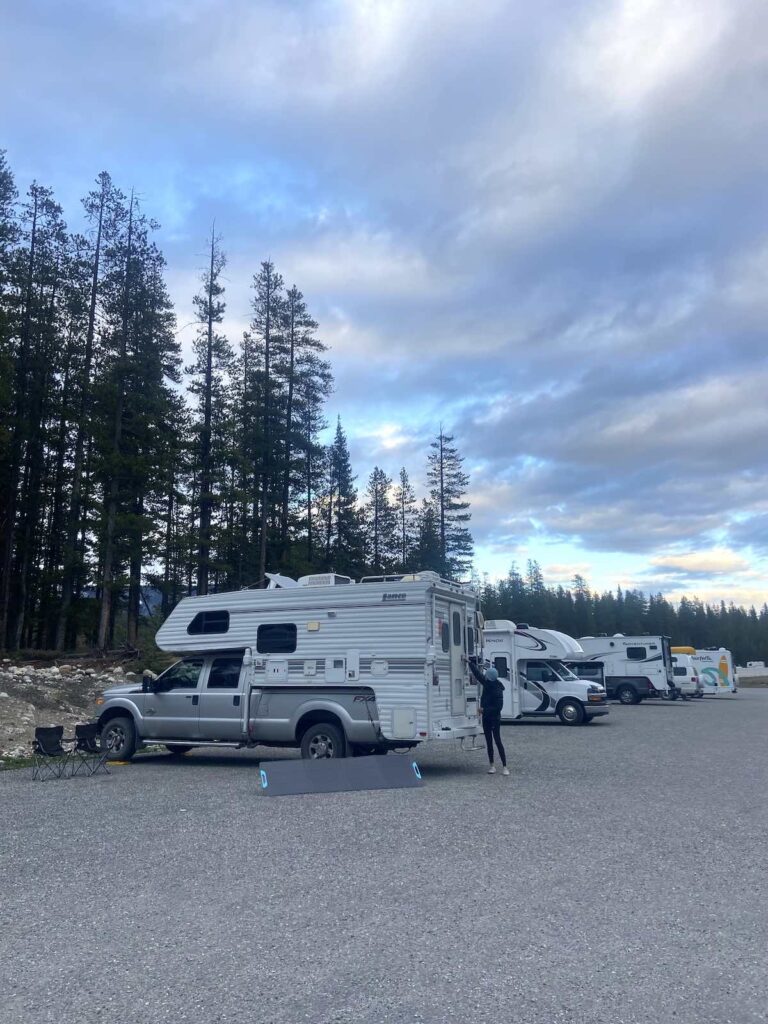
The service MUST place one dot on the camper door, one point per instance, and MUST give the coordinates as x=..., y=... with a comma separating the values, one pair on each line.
x=453, y=624
x=502, y=662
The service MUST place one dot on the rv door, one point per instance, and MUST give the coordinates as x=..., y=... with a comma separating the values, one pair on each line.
x=511, y=707
x=457, y=626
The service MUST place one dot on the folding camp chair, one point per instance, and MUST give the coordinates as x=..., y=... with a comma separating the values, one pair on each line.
x=88, y=754
x=50, y=756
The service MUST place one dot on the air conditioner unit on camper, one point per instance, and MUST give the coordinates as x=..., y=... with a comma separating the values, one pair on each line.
x=324, y=579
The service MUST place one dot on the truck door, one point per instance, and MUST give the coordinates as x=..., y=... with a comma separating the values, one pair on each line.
x=458, y=671
x=511, y=707
x=172, y=713
x=220, y=716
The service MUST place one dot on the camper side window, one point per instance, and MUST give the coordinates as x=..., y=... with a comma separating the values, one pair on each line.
x=470, y=640
x=445, y=637
x=209, y=622
x=276, y=638
x=635, y=653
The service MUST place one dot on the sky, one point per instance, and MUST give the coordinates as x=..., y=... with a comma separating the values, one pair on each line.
x=543, y=226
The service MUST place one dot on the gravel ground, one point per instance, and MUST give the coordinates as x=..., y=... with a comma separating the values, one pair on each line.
x=618, y=876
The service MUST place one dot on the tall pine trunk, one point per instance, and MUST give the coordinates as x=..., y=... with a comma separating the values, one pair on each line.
x=206, y=482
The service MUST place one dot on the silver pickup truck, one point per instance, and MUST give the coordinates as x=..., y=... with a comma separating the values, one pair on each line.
x=210, y=700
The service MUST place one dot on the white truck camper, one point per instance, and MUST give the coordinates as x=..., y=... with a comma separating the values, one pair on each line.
x=531, y=663
x=635, y=667
x=714, y=668
x=322, y=663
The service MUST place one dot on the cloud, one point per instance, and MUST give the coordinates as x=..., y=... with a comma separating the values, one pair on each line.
x=702, y=563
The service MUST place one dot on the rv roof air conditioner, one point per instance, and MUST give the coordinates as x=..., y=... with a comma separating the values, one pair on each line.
x=324, y=579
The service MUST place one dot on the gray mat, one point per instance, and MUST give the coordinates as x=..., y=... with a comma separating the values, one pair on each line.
x=339, y=775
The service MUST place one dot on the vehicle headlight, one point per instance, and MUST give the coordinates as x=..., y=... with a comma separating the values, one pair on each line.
x=594, y=688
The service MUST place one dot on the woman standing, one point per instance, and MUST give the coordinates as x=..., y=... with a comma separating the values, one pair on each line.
x=491, y=701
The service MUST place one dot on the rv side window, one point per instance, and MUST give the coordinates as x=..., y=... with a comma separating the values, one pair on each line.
x=500, y=664
x=635, y=653
x=209, y=622
x=470, y=640
x=457, y=629
x=445, y=638
x=224, y=673
x=276, y=638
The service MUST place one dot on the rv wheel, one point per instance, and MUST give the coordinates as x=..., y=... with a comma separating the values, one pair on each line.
x=627, y=695
x=322, y=740
x=570, y=712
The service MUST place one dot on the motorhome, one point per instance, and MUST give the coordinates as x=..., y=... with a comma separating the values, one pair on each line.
x=323, y=663
x=635, y=667
x=714, y=668
x=686, y=676
x=538, y=683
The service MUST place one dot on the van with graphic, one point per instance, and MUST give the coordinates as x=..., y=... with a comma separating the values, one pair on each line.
x=538, y=683
x=714, y=668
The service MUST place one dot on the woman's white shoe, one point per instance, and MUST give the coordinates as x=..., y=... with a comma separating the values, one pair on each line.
x=505, y=770
x=492, y=770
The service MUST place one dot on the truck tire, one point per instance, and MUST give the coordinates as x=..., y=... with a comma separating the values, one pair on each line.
x=570, y=712
x=118, y=737
x=627, y=694
x=321, y=740
x=178, y=748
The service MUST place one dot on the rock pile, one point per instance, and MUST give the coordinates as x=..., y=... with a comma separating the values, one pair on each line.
x=32, y=696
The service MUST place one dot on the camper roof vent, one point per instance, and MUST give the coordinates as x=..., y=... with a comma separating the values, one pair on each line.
x=618, y=634
x=324, y=579
x=523, y=625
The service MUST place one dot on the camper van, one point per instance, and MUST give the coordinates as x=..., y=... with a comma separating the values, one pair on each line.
x=635, y=667
x=686, y=677
x=531, y=664
x=714, y=668
x=323, y=663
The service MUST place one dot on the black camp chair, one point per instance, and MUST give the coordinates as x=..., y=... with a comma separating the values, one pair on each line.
x=50, y=757
x=88, y=754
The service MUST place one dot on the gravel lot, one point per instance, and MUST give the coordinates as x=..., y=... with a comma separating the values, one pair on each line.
x=619, y=876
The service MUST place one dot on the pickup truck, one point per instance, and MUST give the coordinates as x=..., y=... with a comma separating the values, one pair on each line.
x=210, y=701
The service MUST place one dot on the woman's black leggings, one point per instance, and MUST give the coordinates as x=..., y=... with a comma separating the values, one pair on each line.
x=492, y=730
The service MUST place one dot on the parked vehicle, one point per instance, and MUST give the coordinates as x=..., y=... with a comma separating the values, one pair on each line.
x=714, y=667
x=538, y=683
x=686, y=676
x=636, y=667
x=324, y=664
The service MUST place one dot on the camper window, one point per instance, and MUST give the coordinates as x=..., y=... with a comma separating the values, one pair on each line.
x=445, y=637
x=635, y=653
x=470, y=640
x=224, y=673
x=276, y=638
x=457, y=629
x=502, y=667
x=209, y=622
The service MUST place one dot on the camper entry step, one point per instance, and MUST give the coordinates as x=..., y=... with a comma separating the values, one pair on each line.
x=339, y=775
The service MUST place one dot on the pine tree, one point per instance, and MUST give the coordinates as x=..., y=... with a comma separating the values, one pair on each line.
x=380, y=523
x=448, y=484
x=407, y=521
x=428, y=554
x=345, y=539
x=213, y=359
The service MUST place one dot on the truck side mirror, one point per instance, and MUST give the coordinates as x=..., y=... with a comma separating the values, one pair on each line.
x=147, y=678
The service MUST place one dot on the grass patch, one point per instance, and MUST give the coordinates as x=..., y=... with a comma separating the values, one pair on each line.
x=9, y=764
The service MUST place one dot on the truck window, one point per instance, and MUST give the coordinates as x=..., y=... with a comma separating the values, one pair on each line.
x=209, y=622
x=445, y=638
x=276, y=638
x=183, y=675
x=224, y=673
x=457, y=629
x=636, y=653
x=679, y=670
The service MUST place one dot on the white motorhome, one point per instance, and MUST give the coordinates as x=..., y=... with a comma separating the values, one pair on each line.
x=635, y=667
x=324, y=663
x=714, y=668
x=531, y=663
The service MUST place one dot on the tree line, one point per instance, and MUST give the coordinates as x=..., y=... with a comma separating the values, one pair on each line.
x=578, y=611
x=125, y=472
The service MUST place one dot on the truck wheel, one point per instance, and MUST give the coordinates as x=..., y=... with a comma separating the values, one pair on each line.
x=570, y=712
x=674, y=694
x=177, y=748
x=627, y=695
x=119, y=738
x=322, y=740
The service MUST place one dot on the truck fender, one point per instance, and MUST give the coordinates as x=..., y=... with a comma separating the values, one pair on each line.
x=118, y=708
